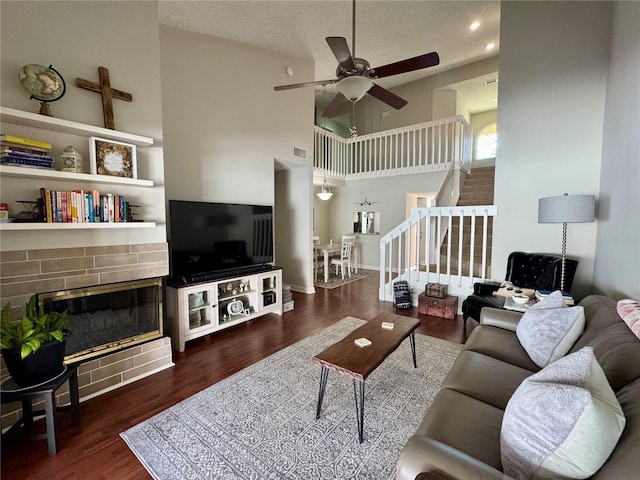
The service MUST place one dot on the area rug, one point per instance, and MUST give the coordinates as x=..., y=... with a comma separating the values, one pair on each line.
x=260, y=423
x=337, y=281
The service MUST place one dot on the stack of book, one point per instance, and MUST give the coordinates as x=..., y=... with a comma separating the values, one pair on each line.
x=568, y=299
x=25, y=152
x=79, y=206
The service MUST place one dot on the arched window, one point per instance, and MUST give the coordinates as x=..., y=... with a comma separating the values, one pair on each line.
x=486, y=142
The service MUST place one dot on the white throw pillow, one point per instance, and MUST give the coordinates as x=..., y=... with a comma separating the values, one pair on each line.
x=562, y=422
x=549, y=333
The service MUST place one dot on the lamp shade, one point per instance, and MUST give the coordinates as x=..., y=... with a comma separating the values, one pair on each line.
x=325, y=192
x=567, y=209
x=354, y=88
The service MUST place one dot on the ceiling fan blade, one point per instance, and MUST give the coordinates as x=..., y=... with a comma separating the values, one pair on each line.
x=334, y=107
x=305, y=84
x=387, y=97
x=408, y=65
x=342, y=53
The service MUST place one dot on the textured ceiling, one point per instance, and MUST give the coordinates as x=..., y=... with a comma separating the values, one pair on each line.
x=386, y=31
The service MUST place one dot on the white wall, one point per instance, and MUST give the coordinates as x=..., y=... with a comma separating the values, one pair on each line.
x=552, y=90
x=293, y=227
x=390, y=193
x=322, y=212
x=617, y=266
x=225, y=127
x=69, y=36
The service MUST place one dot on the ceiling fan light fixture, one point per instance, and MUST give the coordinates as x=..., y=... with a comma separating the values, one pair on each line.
x=325, y=193
x=354, y=88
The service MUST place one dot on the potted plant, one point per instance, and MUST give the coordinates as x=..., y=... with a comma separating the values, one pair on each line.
x=33, y=347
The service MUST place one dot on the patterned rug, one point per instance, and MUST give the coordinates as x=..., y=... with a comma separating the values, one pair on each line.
x=260, y=423
x=337, y=281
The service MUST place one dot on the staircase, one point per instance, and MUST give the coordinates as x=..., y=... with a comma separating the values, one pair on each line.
x=477, y=190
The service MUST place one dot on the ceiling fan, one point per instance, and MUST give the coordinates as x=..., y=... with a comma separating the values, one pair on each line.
x=355, y=75
x=366, y=202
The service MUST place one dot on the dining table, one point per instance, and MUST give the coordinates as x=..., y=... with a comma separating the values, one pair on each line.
x=335, y=248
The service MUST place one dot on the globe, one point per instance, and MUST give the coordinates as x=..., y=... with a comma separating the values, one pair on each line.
x=43, y=83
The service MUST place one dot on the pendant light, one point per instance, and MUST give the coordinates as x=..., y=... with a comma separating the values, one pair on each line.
x=325, y=193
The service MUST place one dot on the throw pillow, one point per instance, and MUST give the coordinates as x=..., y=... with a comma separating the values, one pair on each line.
x=629, y=311
x=562, y=422
x=549, y=333
x=553, y=300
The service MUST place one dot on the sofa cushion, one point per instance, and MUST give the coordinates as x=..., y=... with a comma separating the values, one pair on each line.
x=617, y=350
x=466, y=424
x=485, y=378
x=600, y=313
x=548, y=334
x=501, y=344
x=562, y=422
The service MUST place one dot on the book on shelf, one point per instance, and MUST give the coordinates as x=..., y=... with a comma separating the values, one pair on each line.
x=78, y=206
x=24, y=141
x=10, y=152
x=566, y=296
x=26, y=162
x=14, y=147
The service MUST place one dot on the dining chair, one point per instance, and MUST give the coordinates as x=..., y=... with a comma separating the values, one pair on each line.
x=345, y=255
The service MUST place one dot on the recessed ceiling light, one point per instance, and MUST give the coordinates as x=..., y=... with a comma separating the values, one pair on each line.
x=474, y=26
x=490, y=46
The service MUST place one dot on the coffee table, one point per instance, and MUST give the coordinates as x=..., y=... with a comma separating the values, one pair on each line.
x=358, y=363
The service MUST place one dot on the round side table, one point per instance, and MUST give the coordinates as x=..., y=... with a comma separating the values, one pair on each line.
x=10, y=392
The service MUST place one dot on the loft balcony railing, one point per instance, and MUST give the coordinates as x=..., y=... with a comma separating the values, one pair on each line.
x=429, y=146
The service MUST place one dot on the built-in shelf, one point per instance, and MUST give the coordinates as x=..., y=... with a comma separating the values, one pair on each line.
x=9, y=171
x=32, y=176
x=35, y=120
x=73, y=226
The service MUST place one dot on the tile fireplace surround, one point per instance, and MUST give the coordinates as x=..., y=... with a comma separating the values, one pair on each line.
x=25, y=272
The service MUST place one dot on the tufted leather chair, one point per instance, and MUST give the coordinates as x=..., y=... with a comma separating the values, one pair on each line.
x=539, y=271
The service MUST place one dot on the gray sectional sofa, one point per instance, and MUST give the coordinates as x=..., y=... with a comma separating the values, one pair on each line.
x=459, y=436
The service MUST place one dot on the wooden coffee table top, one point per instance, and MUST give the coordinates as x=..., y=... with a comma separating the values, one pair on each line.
x=356, y=362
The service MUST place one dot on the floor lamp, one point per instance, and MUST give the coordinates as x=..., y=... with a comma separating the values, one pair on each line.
x=566, y=209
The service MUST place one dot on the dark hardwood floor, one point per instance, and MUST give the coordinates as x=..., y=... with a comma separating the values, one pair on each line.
x=94, y=450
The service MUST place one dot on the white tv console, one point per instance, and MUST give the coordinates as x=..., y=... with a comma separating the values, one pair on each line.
x=199, y=309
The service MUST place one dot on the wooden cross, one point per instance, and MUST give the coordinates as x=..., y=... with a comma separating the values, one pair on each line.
x=108, y=93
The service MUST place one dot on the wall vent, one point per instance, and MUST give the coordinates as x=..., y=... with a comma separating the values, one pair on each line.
x=299, y=152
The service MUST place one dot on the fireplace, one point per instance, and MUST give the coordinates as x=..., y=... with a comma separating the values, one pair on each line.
x=110, y=317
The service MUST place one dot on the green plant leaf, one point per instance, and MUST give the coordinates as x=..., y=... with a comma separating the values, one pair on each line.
x=27, y=334
x=29, y=347
x=34, y=329
x=57, y=334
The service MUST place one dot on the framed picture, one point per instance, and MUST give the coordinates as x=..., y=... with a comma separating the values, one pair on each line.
x=109, y=157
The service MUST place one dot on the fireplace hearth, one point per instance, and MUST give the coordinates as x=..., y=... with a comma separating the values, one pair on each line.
x=110, y=317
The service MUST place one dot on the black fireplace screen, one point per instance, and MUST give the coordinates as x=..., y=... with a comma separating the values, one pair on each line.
x=106, y=318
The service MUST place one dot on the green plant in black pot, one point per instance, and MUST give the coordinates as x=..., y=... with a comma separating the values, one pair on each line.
x=33, y=347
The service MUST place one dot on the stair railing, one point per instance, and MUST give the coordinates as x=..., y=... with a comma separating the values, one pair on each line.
x=407, y=251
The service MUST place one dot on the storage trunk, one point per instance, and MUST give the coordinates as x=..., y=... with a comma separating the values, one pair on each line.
x=446, y=307
x=435, y=290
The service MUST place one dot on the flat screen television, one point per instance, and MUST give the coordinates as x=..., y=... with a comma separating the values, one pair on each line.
x=214, y=240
